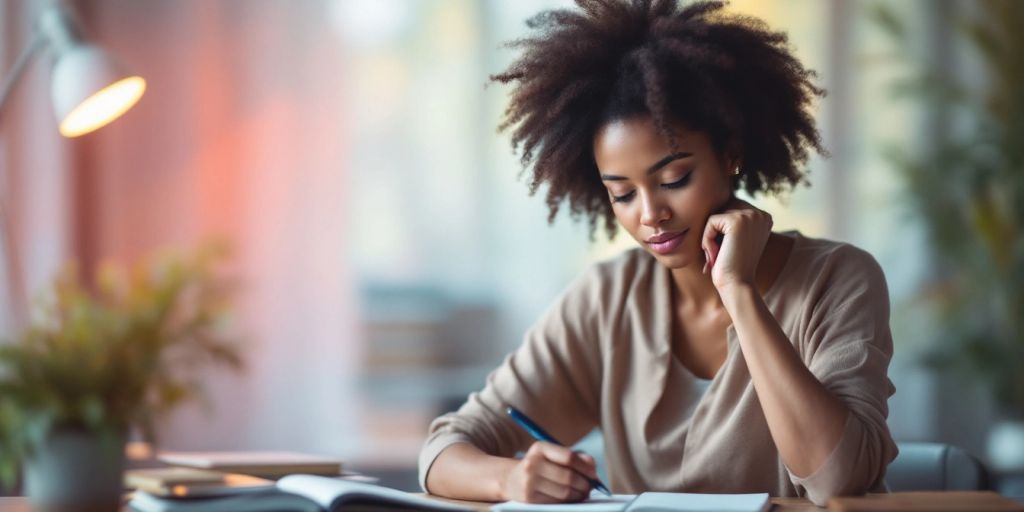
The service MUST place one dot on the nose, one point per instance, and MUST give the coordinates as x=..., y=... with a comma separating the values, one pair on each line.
x=653, y=211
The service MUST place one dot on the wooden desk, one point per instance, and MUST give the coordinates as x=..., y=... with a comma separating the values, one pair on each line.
x=780, y=505
x=954, y=501
x=951, y=501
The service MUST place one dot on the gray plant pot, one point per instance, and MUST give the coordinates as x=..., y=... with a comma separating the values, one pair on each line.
x=77, y=471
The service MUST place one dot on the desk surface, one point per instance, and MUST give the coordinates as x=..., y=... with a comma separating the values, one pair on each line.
x=778, y=505
x=19, y=504
x=931, y=501
x=911, y=501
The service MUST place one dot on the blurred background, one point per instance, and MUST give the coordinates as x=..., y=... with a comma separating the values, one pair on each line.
x=388, y=256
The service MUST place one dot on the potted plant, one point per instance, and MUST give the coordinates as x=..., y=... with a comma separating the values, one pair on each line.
x=98, y=361
x=968, y=189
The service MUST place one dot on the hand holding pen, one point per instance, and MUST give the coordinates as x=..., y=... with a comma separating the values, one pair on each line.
x=550, y=472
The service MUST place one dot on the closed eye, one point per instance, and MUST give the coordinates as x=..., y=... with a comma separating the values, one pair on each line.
x=681, y=182
x=624, y=198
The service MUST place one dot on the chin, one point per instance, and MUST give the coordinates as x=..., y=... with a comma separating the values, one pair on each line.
x=674, y=260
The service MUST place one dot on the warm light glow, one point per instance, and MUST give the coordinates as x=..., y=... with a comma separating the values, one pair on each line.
x=103, y=107
x=138, y=450
x=240, y=480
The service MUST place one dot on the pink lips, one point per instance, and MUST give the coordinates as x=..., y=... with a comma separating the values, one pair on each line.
x=666, y=242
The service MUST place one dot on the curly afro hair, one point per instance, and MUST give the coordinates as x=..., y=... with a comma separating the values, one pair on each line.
x=728, y=76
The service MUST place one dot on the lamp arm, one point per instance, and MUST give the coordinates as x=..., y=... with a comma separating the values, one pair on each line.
x=15, y=289
x=34, y=44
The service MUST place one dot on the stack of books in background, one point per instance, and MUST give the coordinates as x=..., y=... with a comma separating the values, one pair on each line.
x=264, y=464
x=258, y=481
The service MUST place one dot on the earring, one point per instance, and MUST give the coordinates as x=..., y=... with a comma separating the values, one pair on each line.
x=736, y=171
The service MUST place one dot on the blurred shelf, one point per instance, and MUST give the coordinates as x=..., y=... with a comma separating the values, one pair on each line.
x=404, y=386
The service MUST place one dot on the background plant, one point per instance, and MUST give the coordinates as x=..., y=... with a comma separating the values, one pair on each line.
x=967, y=186
x=112, y=356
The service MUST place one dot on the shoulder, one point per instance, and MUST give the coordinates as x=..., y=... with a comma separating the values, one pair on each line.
x=599, y=301
x=834, y=262
x=839, y=314
x=606, y=287
x=621, y=274
x=831, y=275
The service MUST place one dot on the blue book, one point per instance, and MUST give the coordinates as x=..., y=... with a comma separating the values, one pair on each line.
x=297, y=493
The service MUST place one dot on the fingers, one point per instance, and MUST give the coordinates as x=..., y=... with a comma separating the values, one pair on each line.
x=563, y=483
x=732, y=217
x=709, y=242
x=563, y=456
x=565, y=477
x=586, y=464
x=547, y=491
x=556, y=474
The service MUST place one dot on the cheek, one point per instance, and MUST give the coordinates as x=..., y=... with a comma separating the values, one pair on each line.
x=628, y=217
x=687, y=205
x=701, y=199
x=622, y=213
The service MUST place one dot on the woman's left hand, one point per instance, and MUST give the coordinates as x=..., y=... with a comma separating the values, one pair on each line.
x=745, y=231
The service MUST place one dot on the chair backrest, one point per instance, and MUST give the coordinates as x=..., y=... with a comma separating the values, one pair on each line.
x=918, y=467
x=935, y=467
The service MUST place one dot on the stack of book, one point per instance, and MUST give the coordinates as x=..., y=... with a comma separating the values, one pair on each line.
x=263, y=464
x=295, y=493
x=188, y=482
x=245, y=482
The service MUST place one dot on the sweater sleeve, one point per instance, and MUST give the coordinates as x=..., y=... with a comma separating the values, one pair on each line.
x=553, y=377
x=848, y=346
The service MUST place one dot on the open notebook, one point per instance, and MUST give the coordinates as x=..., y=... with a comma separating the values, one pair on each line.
x=297, y=493
x=651, y=502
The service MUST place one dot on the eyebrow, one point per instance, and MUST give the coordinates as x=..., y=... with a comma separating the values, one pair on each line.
x=654, y=168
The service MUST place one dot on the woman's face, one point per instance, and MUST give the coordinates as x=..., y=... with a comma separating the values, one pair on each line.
x=662, y=199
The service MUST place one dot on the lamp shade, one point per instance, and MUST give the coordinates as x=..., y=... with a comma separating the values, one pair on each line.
x=89, y=90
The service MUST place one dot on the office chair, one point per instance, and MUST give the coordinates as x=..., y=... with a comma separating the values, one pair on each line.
x=935, y=467
x=918, y=467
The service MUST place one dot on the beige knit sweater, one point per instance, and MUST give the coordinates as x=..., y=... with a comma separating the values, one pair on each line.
x=601, y=357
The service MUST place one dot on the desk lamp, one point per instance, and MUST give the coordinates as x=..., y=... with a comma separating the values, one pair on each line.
x=88, y=90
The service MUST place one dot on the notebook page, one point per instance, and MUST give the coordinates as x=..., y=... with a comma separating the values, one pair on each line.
x=692, y=502
x=325, y=491
x=597, y=502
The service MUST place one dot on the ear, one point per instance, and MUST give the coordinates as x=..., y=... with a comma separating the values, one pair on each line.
x=731, y=155
x=732, y=164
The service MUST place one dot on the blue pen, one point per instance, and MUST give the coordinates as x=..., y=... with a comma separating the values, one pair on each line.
x=539, y=434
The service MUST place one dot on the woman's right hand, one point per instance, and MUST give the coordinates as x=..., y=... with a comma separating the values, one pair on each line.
x=549, y=473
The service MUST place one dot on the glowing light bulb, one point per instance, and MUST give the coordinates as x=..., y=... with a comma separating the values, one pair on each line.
x=103, y=107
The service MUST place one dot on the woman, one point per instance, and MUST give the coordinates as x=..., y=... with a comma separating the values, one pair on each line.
x=718, y=356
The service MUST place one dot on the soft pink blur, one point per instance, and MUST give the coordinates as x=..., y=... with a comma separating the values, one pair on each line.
x=239, y=137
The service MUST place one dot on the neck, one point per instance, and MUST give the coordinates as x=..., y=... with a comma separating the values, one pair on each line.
x=695, y=289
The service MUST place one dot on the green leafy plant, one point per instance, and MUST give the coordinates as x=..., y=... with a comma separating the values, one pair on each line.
x=113, y=356
x=968, y=188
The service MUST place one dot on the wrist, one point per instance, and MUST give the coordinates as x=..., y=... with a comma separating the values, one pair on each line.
x=500, y=487
x=733, y=293
x=734, y=286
